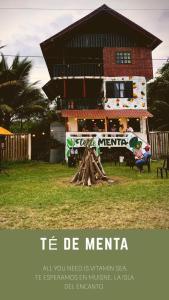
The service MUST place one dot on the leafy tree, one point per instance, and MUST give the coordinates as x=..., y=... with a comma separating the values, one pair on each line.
x=19, y=100
x=158, y=99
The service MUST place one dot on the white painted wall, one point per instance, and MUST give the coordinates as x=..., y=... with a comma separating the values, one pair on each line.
x=139, y=100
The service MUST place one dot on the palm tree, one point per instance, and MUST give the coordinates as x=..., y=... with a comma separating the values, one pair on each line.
x=161, y=113
x=158, y=99
x=18, y=98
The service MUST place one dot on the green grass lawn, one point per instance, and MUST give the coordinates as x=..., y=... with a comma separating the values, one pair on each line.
x=39, y=195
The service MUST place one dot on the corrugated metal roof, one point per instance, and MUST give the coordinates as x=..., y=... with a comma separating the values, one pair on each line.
x=99, y=114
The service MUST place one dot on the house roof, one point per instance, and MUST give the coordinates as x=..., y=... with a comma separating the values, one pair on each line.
x=101, y=114
x=152, y=40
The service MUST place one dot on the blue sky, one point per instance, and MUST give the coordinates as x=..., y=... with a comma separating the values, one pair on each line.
x=22, y=30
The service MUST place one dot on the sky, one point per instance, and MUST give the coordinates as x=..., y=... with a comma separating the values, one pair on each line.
x=25, y=24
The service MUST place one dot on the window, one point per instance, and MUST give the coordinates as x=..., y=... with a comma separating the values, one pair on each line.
x=135, y=124
x=123, y=57
x=119, y=89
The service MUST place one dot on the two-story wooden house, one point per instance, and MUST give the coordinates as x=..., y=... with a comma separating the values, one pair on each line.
x=99, y=67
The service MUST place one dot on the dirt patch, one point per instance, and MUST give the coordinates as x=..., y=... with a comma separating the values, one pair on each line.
x=111, y=181
x=100, y=215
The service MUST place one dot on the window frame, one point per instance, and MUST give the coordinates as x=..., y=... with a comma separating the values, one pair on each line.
x=123, y=58
x=127, y=92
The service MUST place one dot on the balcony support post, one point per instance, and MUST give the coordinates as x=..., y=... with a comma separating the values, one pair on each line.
x=106, y=127
x=84, y=88
x=65, y=89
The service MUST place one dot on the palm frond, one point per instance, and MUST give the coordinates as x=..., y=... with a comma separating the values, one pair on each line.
x=18, y=98
x=3, y=64
x=6, y=108
x=10, y=83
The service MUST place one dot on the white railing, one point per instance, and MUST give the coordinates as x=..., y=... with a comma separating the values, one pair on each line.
x=91, y=134
x=87, y=134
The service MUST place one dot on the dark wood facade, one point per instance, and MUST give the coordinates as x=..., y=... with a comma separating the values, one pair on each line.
x=88, y=48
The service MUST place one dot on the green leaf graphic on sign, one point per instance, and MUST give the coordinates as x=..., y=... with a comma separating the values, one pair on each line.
x=94, y=143
x=70, y=142
x=135, y=143
x=68, y=153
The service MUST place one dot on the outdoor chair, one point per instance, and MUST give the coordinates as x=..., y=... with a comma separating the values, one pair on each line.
x=115, y=158
x=72, y=161
x=131, y=162
x=164, y=167
x=148, y=164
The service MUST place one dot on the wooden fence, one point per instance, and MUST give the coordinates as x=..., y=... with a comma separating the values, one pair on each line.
x=17, y=147
x=159, y=142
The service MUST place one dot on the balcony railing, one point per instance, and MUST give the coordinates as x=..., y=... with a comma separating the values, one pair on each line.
x=89, y=69
x=79, y=104
x=98, y=134
x=105, y=134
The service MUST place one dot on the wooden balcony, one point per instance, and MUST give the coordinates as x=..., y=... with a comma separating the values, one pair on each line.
x=89, y=69
x=79, y=104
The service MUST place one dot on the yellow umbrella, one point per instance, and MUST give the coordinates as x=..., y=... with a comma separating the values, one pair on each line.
x=4, y=131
